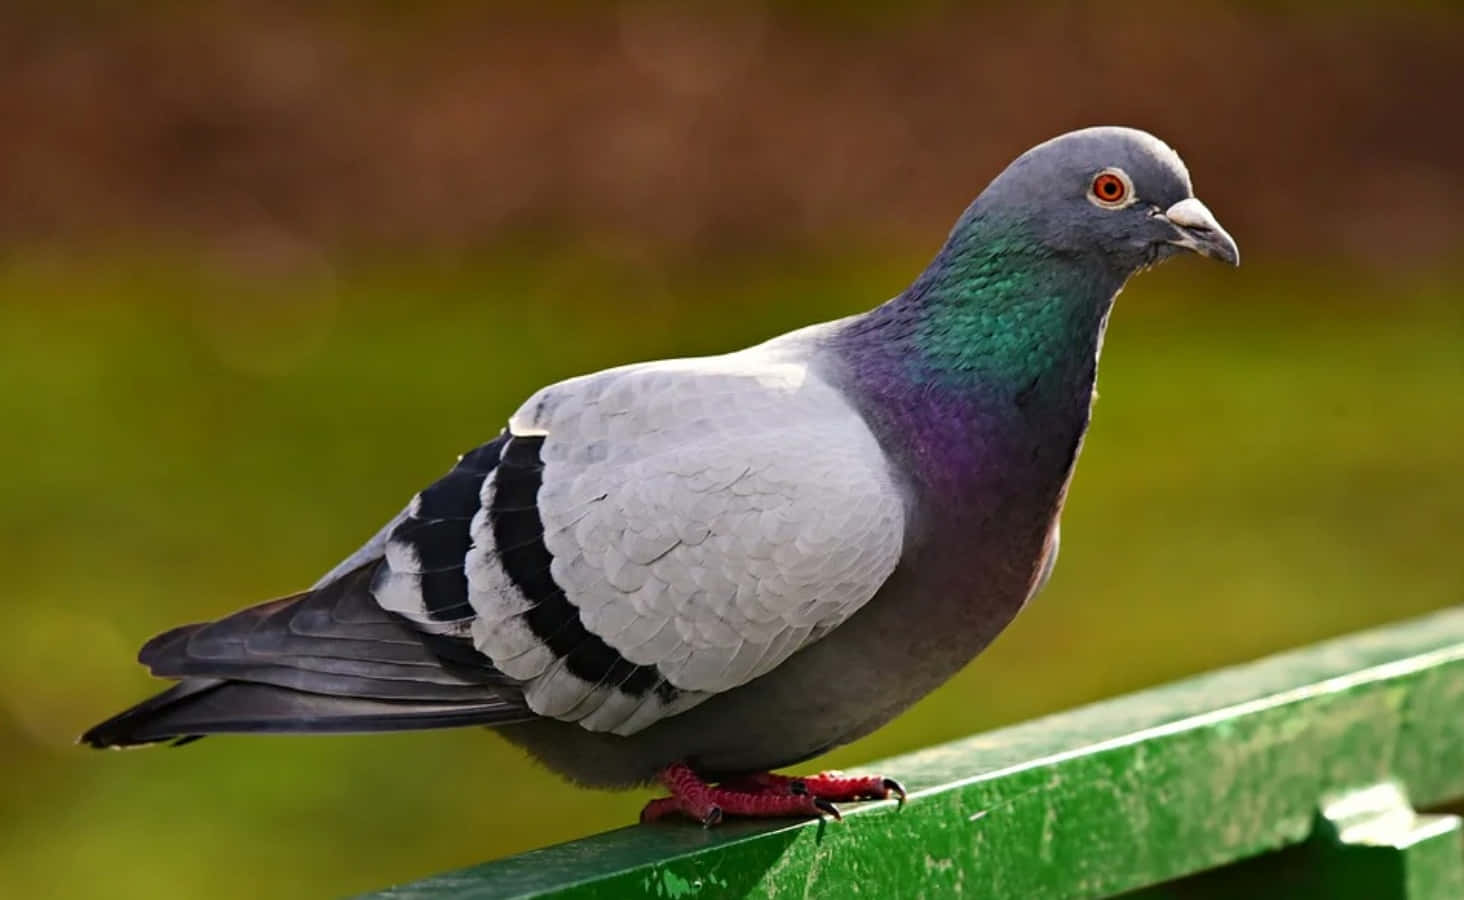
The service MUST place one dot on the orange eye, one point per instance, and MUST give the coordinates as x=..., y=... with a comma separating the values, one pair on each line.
x=1110, y=189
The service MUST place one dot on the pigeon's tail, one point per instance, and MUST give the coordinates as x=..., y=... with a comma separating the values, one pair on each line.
x=199, y=706
x=327, y=661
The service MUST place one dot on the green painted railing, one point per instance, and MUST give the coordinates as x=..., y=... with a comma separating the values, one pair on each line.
x=1297, y=776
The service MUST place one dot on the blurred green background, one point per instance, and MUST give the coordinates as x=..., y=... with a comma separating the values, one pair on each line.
x=263, y=273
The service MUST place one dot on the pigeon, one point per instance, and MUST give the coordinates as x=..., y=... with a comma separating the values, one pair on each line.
x=697, y=571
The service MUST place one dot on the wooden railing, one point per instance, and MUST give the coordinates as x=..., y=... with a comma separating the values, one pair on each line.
x=1297, y=776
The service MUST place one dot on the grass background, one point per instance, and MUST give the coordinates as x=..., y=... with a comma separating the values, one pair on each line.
x=1275, y=458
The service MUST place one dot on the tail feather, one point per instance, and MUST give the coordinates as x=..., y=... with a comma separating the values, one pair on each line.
x=199, y=706
x=118, y=730
x=326, y=661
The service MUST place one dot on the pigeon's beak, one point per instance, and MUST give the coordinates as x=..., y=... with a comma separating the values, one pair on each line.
x=1197, y=230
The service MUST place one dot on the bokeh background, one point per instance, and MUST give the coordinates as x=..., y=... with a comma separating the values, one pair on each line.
x=264, y=272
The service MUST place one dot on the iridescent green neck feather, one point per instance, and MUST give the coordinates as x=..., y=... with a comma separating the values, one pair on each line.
x=987, y=361
x=997, y=311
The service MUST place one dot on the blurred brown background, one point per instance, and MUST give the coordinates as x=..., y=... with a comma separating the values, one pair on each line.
x=443, y=125
x=264, y=270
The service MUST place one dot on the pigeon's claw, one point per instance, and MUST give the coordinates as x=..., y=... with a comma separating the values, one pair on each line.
x=891, y=786
x=764, y=795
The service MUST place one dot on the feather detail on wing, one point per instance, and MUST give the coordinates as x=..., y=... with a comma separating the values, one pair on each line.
x=660, y=533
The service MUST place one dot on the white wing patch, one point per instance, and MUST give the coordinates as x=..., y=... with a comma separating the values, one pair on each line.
x=707, y=517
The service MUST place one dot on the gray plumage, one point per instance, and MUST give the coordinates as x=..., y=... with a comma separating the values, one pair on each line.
x=737, y=562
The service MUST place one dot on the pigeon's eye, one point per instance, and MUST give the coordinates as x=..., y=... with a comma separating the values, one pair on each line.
x=1111, y=189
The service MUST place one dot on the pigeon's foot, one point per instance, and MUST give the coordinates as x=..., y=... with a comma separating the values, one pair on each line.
x=831, y=786
x=764, y=795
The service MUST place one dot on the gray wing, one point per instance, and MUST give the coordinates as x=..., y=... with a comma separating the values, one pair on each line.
x=638, y=541
x=653, y=535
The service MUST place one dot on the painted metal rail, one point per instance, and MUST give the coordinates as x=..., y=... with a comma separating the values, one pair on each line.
x=1297, y=776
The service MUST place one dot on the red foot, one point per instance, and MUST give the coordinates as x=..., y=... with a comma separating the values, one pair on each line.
x=764, y=795
x=825, y=785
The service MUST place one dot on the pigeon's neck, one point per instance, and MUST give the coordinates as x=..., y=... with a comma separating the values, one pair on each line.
x=983, y=369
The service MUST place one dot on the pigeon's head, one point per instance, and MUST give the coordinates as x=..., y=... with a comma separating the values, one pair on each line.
x=1118, y=194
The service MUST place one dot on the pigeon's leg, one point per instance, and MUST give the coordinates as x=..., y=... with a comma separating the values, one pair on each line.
x=694, y=798
x=763, y=795
x=833, y=786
